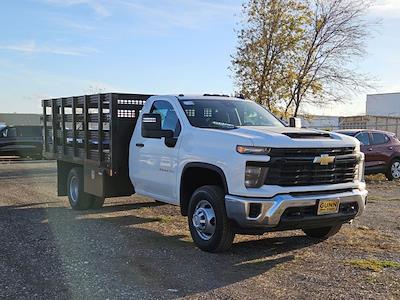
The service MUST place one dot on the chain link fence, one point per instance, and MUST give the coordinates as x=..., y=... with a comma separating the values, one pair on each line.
x=390, y=124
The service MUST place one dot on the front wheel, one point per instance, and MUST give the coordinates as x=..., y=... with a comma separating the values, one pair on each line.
x=322, y=232
x=393, y=172
x=209, y=225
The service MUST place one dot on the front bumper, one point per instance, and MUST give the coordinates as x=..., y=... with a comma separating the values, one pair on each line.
x=272, y=209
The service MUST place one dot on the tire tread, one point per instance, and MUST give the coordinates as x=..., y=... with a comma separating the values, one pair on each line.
x=227, y=234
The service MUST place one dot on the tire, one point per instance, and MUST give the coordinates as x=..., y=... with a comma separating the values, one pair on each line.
x=207, y=206
x=393, y=171
x=78, y=199
x=322, y=233
x=97, y=202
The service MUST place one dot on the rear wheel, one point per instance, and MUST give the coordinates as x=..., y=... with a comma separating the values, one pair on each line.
x=78, y=199
x=208, y=223
x=393, y=172
x=322, y=232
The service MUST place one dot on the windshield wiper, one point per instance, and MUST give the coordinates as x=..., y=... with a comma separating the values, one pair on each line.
x=222, y=125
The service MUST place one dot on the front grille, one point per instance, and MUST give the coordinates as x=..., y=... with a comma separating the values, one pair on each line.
x=301, y=152
x=294, y=167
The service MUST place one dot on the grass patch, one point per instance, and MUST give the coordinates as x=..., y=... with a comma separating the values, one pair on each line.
x=166, y=219
x=363, y=238
x=373, y=199
x=374, y=264
x=375, y=177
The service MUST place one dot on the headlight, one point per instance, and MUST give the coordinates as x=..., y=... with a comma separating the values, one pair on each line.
x=255, y=176
x=253, y=150
x=360, y=168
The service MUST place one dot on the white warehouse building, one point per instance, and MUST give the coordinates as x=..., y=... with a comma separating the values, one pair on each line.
x=384, y=105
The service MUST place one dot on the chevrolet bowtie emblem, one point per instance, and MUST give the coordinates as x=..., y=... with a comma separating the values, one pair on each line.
x=324, y=160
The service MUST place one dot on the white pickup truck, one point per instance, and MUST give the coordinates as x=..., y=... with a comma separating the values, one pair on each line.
x=230, y=165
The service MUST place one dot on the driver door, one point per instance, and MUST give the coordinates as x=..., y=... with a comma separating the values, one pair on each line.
x=157, y=161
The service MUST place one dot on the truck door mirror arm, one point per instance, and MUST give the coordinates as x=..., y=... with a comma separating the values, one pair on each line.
x=170, y=141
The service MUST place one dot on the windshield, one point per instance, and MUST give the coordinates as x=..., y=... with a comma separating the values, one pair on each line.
x=227, y=114
x=349, y=133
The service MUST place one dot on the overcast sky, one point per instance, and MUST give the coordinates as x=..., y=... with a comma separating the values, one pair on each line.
x=52, y=48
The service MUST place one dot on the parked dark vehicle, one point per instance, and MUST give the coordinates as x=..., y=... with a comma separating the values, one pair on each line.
x=23, y=141
x=381, y=149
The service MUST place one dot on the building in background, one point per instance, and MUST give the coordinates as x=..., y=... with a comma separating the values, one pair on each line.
x=20, y=119
x=320, y=122
x=386, y=105
x=382, y=113
x=391, y=124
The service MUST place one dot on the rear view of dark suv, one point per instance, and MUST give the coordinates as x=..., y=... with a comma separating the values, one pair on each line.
x=381, y=149
x=23, y=141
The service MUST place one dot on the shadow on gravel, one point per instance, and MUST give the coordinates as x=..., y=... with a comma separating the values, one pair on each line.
x=31, y=172
x=57, y=252
x=122, y=207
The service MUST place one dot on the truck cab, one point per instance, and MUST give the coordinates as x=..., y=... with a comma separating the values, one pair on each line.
x=230, y=165
x=230, y=161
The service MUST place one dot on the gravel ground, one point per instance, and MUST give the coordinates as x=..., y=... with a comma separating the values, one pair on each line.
x=135, y=248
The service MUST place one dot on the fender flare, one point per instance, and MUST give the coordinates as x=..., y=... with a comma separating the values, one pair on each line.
x=202, y=165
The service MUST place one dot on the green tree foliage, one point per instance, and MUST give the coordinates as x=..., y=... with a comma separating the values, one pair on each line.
x=297, y=51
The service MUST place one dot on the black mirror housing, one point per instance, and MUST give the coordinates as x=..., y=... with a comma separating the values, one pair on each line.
x=295, y=122
x=151, y=127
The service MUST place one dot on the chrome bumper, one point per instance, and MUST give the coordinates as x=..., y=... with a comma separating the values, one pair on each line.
x=238, y=208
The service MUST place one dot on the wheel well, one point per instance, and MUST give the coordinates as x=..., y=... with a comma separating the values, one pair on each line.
x=394, y=158
x=389, y=165
x=63, y=169
x=196, y=175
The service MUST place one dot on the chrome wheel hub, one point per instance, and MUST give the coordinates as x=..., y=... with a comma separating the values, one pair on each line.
x=74, y=189
x=396, y=170
x=204, y=220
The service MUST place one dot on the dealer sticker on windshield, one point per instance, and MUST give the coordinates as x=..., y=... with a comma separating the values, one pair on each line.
x=326, y=207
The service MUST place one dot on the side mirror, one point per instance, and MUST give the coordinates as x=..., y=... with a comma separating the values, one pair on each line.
x=151, y=127
x=295, y=122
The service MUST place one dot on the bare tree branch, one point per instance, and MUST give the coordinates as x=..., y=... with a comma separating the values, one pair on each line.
x=295, y=51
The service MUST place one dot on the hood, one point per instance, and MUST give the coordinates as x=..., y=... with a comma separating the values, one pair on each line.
x=288, y=137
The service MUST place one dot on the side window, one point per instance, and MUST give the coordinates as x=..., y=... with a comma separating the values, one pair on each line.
x=12, y=132
x=379, y=138
x=363, y=137
x=26, y=131
x=169, y=118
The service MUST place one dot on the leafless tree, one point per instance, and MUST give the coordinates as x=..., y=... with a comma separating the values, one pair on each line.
x=334, y=39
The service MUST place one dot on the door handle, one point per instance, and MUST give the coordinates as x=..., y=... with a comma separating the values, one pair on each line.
x=369, y=149
x=140, y=145
x=390, y=148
